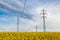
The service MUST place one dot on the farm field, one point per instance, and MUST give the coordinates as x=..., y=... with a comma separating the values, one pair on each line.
x=29, y=35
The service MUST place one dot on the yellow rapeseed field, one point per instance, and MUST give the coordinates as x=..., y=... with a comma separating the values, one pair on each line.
x=29, y=35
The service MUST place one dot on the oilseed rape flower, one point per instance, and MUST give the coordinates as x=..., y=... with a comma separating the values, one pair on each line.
x=29, y=35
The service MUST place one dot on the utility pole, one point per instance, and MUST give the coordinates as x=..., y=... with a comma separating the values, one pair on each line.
x=43, y=16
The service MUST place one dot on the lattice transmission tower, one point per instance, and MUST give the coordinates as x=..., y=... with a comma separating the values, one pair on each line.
x=18, y=16
x=43, y=15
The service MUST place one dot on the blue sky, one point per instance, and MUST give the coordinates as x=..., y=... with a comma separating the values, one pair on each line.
x=32, y=10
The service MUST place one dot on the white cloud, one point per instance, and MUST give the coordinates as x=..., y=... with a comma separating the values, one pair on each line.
x=9, y=6
x=18, y=3
x=53, y=14
x=4, y=10
x=9, y=25
x=8, y=18
x=52, y=19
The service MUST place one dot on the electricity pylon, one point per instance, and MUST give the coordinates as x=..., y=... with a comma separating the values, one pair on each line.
x=43, y=17
x=36, y=28
x=18, y=17
x=17, y=22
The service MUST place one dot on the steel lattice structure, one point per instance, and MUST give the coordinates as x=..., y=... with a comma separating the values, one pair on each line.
x=18, y=16
x=43, y=17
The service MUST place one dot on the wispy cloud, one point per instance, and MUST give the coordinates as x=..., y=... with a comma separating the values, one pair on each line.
x=53, y=14
x=18, y=3
x=13, y=9
x=52, y=20
x=8, y=6
x=4, y=10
